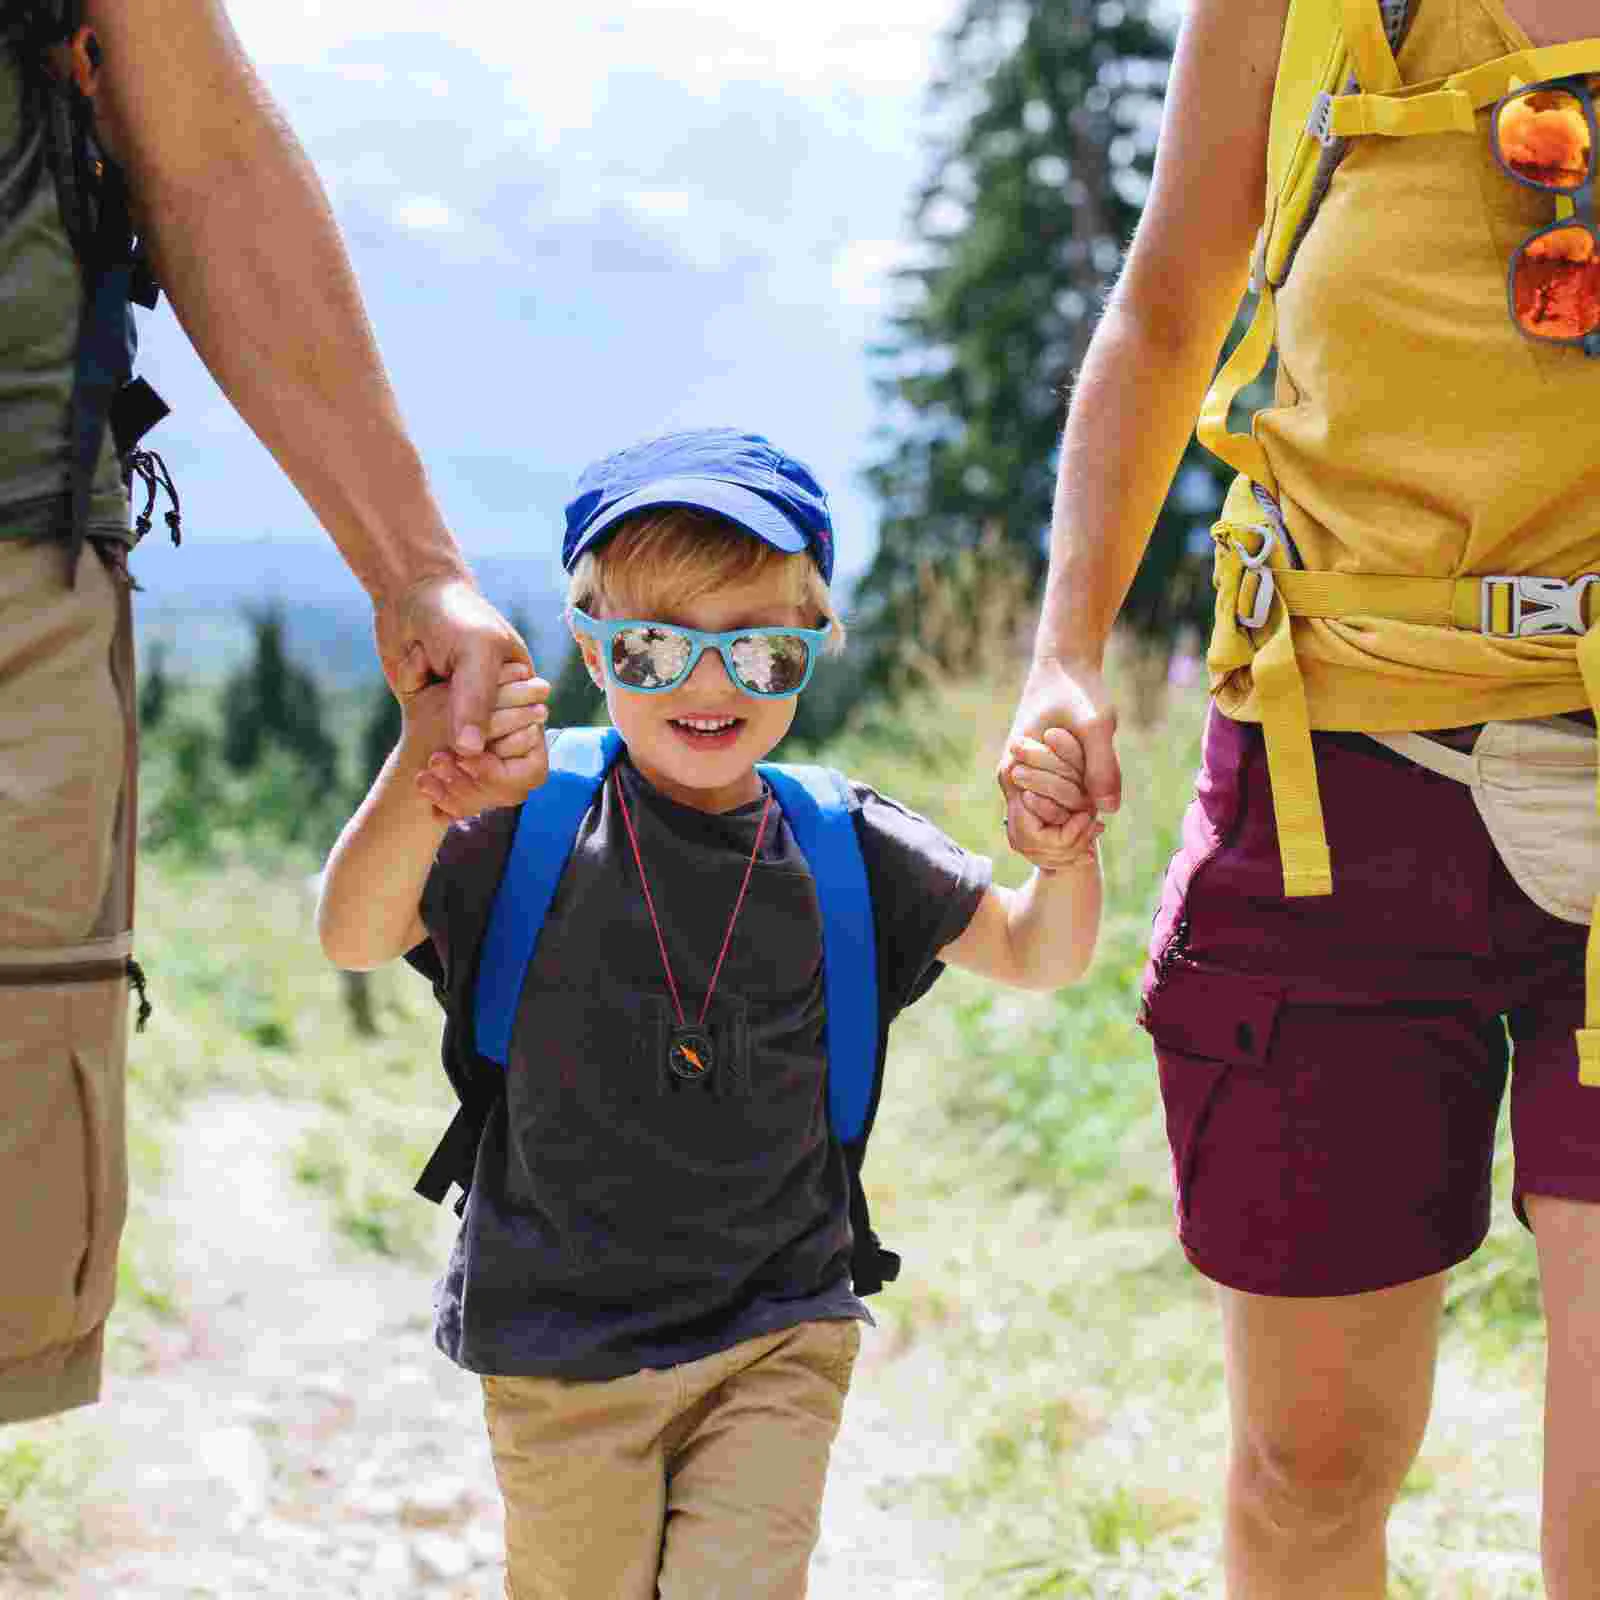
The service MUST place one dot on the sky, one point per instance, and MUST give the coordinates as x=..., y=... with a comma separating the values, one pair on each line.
x=577, y=226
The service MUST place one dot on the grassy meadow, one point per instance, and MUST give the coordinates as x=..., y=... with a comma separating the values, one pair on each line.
x=1046, y=1334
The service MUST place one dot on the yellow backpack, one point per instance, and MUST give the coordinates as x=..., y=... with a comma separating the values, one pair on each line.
x=1338, y=80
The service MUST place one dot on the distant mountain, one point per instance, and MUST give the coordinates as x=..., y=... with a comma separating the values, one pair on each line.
x=194, y=601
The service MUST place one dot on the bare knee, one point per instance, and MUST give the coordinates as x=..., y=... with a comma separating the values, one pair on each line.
x=1319, y=1491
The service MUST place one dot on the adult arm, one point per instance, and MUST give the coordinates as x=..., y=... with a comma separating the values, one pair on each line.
x=1147, y=369
x=248, y=251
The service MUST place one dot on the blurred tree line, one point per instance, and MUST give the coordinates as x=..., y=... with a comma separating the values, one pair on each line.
x=263, y=761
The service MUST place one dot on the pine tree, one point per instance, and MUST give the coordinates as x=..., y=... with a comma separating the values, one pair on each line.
x=1050, y=108
x=274, y=702
x=155, y=689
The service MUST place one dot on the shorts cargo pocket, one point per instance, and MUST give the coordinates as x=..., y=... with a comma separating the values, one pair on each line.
x=1206, y=1024
x=63, y=1186
x=827, y=1349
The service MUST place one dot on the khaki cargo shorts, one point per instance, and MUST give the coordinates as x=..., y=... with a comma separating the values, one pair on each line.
x=697, y=1482
x=68, y=753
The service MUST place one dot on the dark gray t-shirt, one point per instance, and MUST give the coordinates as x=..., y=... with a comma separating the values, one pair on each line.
x=619, y=1216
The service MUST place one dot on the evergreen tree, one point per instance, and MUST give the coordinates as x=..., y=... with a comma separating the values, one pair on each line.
x=273, y=702
x=155, y=689
x=1051, y=108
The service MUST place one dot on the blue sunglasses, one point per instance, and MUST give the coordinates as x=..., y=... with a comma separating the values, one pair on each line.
x=653, y=657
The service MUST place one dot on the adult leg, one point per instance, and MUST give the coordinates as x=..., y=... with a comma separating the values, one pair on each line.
x=1567, y=1233
x=747, y=1468
x=581, y=1472
x=67, y=756
x=1328, y=1399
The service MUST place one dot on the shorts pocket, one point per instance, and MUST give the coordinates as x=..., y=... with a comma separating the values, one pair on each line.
x=1206, y=1024
x=63, y=1167
x=830, y=1349
x=99, y=1032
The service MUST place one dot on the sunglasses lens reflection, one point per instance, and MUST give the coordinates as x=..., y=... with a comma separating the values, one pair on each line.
x=1556, y=282
x=1543, y=137
x=771, y=663
x=649, y=657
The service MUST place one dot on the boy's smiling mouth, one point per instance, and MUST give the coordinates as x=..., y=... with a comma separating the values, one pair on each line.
x=702, y=731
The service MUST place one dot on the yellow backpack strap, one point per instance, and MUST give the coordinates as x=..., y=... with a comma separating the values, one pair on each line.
x=1375, y=67
x=1589, y=1033
x=1311, y=59
x=1450, y=105
x=1244, y=365
x=1252, y=628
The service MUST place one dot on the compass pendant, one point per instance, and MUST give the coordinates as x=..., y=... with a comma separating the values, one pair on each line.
x=689, y=1054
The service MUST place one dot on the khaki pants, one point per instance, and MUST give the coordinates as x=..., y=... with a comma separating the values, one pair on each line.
x=699, y=1482
x=68, y=744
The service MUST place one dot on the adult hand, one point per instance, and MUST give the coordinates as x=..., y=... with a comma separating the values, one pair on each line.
x=1059, y=694
x=461, y=638
x=515, y=762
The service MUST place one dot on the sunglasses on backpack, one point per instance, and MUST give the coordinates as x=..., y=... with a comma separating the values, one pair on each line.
x=1543, y=135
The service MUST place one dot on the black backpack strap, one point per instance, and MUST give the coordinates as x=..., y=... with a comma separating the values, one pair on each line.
x=92, y=196
x=871, y=1265
x=456, y=1154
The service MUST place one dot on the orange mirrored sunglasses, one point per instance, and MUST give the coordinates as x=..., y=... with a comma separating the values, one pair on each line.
x=1543, y=135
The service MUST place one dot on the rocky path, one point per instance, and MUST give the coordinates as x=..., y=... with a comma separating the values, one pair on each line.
x=300, y=1436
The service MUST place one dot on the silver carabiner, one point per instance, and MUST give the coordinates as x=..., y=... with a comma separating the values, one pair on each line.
x=1266, y=586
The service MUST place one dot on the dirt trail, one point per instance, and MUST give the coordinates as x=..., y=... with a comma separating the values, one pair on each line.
x=300, y=1435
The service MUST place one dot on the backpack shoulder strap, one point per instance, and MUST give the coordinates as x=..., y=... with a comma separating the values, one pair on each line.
x=546, y=832
x=1335, y=54
x=822, y=812
x=820, y=806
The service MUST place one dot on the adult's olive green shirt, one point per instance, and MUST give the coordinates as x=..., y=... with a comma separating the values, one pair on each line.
x=40, y=294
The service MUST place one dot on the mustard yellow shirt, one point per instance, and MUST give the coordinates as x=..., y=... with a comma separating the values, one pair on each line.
x=1415, y=431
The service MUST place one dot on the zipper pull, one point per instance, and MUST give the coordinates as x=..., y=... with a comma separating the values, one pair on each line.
x=137, y=979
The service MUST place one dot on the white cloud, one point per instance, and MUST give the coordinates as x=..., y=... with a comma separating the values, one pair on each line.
x=560, y=58
x=425, y=211
x=659, y=203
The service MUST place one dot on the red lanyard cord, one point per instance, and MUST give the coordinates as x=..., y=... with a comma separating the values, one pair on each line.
x=655, y=922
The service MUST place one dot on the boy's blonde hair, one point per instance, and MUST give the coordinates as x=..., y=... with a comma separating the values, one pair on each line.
x=676, y=554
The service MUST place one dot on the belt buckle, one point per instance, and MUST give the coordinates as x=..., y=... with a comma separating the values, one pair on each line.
x=1538, y=605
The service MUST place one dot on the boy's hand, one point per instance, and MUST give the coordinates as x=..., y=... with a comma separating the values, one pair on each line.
x=513, y=763
x=1051, y=767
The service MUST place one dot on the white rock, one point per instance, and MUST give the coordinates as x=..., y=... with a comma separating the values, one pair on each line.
x=379, y=1504
x=391, y=1561
x=440, y=1556
x=435, y=1502
x=486, y=1544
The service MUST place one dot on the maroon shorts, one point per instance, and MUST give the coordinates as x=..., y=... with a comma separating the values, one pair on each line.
x=1332, y=1068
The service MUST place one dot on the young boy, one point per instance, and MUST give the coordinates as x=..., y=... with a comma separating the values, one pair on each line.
x=652, y=1275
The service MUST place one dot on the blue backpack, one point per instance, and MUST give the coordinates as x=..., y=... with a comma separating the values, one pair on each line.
x=822, y=813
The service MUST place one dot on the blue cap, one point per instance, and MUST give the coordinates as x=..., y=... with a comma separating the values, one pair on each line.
x=739, y=476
